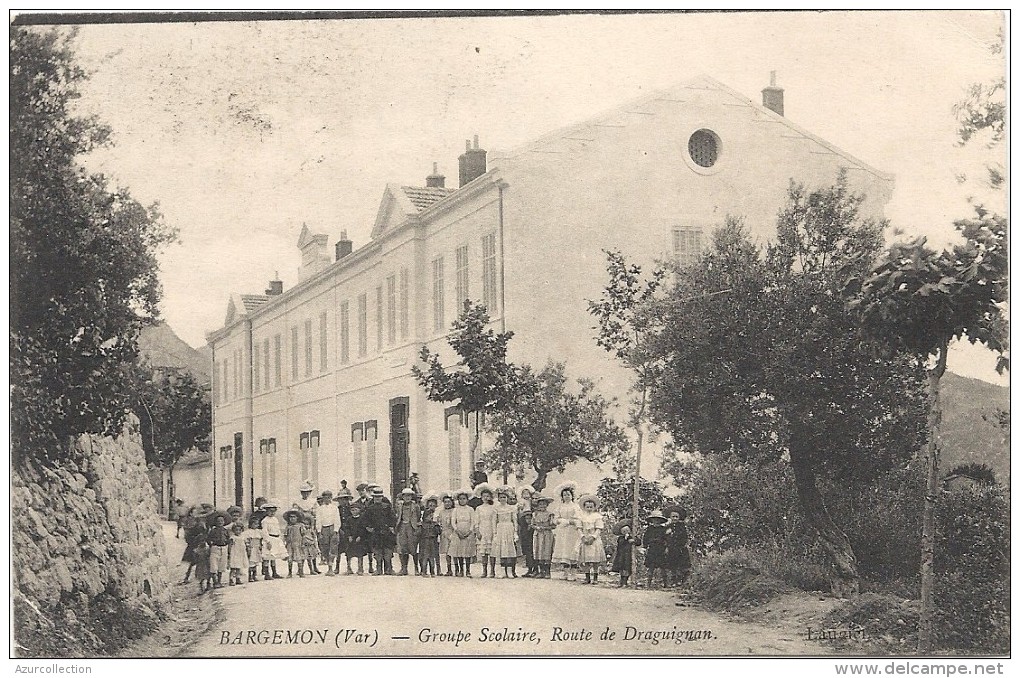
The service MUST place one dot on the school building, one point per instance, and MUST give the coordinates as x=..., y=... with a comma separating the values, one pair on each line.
x=315, y=382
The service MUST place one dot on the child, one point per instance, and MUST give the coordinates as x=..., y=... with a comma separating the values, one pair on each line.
x=654, y=540
x=543, y=522
x=428, y=543
x=219, y=545
x=624, y=556
x=343, y=500
x=526, y=540
x=357, y=539
x=678, y=555
x=177, y=514
x=462, y=539
x=310, y=542
x=504, y=542
x=485, y=528
x=252, y=539
x=444, y=517
x=195, y=533
x=591, y=552
x=273, y=546
x=238, y=555
x=202, y=574
x=567, y=535
x=294, y=537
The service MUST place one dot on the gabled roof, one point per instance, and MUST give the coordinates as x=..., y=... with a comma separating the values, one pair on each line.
x=241, y=305
x=422, y=197
x=307, y=237
x=617, y=117
x=394, y=209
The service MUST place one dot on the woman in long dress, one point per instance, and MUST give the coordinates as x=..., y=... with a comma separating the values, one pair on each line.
x=504, y=542
x=462, y=536
x=568, y=529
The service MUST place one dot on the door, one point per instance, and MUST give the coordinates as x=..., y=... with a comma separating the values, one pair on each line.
x=238, y=469
x=400, y=462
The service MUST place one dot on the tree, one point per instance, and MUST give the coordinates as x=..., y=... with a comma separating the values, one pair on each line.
x=982, y=115
x=174, y=411
x=482, y=377
x=774, y=369
x=546, y=426
x=83, y=273
x=919, y=301
x=623, y=325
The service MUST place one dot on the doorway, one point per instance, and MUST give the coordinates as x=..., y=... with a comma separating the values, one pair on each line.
x=400, y=461
x=238, y=469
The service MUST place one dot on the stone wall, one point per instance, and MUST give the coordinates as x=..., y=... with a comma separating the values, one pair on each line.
x=88, y=553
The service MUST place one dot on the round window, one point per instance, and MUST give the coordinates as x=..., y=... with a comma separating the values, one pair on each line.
x=704, y=148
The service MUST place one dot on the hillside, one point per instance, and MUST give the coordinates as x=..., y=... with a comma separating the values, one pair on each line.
x=160, y=346
x=966, y=436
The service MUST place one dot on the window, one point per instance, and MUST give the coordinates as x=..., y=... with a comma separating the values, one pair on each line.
x=267, y=453
x=303, y=449
x=463, y=290
x=293, y=353
x=308, y=348
x=391, y=309
x=226, y=474
x=255, y=363
x=378, y=317
x=236, y=373
x=277, y=359
x=313, y=453
x=362, y=325
x=453, y=425
x=226, y=381
x=345, y=332
x=323, y=340
x=371, y=434
x=489, y=298
x=438, y=313
x=357, y=447
x=687, y=245
x=265, y=353
x=405, y=303
x=703, y=147
x=217, y=386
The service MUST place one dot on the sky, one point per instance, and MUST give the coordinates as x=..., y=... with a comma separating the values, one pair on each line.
x=243, y=131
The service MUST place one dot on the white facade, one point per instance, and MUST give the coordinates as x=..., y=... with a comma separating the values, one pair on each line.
x=526, y=238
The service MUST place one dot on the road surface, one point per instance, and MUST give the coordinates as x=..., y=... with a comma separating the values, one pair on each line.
x=350, y=615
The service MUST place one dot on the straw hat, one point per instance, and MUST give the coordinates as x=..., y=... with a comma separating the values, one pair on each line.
x=465, y=492
x=444, y=494
x=361, y=486
x=306, y=487
x=537, y=499
x=271, y=503
x=227, y=518
x=483, y=487
x=431, y=497
x=505, y=490
x=523, y=488
x=567, y=485
x=620, y=524
x=376, y=490
x=292, y=512
x=344, y=492
x=657, y=516
x=585, y=498
x=407, y=490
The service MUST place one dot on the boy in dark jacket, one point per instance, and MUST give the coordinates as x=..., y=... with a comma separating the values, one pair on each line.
x=624, y=556
x=678, y=554
x=357, y=545
x=654, y=540
x=379, y=522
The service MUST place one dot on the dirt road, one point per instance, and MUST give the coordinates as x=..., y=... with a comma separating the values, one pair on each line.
x=351, y=615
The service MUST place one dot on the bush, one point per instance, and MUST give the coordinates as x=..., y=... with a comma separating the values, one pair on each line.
x=734, y=581
x=886, y=619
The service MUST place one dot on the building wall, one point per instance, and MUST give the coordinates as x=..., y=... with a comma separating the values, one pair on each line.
x=625, y=182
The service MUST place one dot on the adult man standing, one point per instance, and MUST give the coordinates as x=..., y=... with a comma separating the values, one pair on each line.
x=328, y=522
x=479, y=475
x=379, y=521
x=408, y=529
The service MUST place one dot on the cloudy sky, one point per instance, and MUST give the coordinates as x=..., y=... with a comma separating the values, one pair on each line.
x=242, y=131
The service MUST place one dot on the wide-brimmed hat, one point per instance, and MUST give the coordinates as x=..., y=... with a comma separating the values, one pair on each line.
x=585, y=498
x=538, y=498
x=566, y=485
x=376, y=490
x=483, y=487
x=204, y=510
x=505, y=490
x=227, y=518
x=235, y=509
x=620, y=524
x=444, y=494
x=306, y=486
x=344, y=492
x=528, y=488
x=465, y=492
x=292, y=512
x=431, y=497
x=407, y=490
x=271, y=503
x=655, y=515
x=361, y=486
x=327, y=493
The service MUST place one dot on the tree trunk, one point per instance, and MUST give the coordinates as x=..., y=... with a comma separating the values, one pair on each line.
x=636, y=500
x=474, y=441
x=171, y=491
x=844, y=577
x=926, y=620
x=539, y=484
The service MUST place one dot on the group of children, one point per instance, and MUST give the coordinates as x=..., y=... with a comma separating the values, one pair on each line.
x=463, y=527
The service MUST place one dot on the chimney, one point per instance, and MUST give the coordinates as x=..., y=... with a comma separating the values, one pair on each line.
x=343, y=246
x=772, y=96
x=275, y=287
x=435, y=180
x=472, y=163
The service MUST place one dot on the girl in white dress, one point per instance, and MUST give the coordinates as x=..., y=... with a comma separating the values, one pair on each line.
x=462, y=538
x=504, y=543
x=485, y=530
x=568, y=529
x=591, y=552
x=273, y=548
